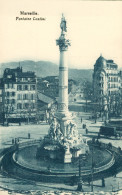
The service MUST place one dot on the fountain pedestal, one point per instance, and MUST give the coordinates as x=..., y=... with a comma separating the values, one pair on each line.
x=67, y=155
x=63, y=131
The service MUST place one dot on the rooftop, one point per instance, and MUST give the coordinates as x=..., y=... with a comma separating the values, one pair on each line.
x=11, y=74
x=101, y=62
x=45, y=98
x=26, y=74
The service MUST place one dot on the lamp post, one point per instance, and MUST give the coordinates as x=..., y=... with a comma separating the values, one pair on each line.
x=80, y=182
x=92, y=171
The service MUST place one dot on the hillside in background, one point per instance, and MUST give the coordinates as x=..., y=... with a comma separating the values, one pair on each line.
x=46, y=68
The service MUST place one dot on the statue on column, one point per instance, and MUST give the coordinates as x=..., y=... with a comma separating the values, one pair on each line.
x=63, y=24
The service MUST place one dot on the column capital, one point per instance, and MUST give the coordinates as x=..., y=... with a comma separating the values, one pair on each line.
x=63, y=43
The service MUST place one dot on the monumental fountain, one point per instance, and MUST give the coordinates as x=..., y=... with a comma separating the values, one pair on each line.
x=56, y=157
x=63, y=143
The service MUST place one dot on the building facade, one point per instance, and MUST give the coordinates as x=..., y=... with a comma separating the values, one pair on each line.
x=120, y=75
x=19, y=95
x=106, y=84
x=1, y=100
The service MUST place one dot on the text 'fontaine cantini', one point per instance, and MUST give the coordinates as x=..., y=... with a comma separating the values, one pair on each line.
x=32, y=16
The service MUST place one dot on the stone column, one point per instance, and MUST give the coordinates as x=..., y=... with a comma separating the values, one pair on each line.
x=63, y=43
x=63, y=82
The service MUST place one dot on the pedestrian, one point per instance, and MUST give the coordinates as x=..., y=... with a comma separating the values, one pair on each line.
x=86, y=131
x=103, y=182
x=119, y=135
x=28, y=135
x=98, y=137
x=84, y=126
x=12, y=141
x=81, y=119
x=15, y=141
x=115, y=175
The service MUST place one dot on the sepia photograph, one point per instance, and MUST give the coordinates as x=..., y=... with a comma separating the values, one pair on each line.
x=60, y=97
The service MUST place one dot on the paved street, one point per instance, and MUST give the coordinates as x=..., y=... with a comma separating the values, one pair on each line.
x=7, y=133
x=37, y=131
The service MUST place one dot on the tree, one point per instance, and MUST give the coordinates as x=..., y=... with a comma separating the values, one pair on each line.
x=7, y=111
x=115, y=104
x=87, y=91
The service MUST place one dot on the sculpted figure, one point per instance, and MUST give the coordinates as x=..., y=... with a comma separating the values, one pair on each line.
x=52, y=131
x=58, y=132
x=63, y=24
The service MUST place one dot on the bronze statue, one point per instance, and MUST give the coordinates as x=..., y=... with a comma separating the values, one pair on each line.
x=63, y=24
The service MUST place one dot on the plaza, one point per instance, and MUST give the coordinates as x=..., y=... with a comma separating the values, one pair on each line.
x=38, y=131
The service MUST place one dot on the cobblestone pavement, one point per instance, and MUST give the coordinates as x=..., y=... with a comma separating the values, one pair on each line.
x=37, y=131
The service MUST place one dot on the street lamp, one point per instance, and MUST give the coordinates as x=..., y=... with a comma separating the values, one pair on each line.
x=80, y=182
x=92, y=170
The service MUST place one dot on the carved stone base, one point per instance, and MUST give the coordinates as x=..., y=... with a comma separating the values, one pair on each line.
x=64, y=116
x=63, y=142
x=67, y=158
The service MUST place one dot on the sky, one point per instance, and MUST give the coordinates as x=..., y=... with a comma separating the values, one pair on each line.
x=94, y=28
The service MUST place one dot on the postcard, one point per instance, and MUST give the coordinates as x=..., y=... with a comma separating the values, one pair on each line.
x=60, y=97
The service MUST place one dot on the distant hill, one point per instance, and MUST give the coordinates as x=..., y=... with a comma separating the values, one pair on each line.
x=46, y=68
x=81, y=74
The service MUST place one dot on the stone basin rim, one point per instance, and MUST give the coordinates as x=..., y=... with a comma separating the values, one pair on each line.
x=84, y=172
